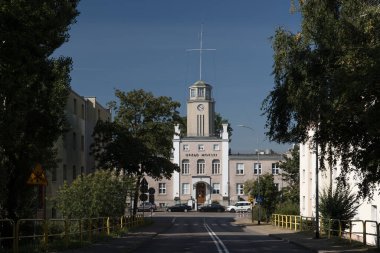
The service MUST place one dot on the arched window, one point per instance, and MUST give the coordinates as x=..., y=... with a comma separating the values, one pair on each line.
x=201, y=166
x=185, y=167
x=215, y=167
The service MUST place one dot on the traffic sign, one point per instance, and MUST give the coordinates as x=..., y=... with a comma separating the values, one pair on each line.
x=143, y=197
x=38, y=176
x=151, y=190
x=259, y=199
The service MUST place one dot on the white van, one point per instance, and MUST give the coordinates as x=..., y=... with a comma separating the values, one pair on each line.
x=240, y=206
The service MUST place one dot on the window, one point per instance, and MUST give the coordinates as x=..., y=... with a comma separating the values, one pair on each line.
x=185, y=167
x=275, y=169
x=192, y=93
x=81, y=170
x=303, y=202
x=74, y=172
x=162, y=188
x=240, y=169
x=374, y=212
x=185, y=147
x=208, y=96
x=276, y=185
x=54, y=174
x=82, y=143
x=201, y=92
x=215, y=167
x=75, y=106
x=216, y=147
x=201, y=147
x=82, y=112
x=216, y=188
x=64, y=172
x=257, y=168
x=185, y=188
x=74, y=141
x=239, y=189
x=201, y=166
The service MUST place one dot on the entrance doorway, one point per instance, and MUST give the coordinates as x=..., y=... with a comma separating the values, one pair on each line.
x=201, y=193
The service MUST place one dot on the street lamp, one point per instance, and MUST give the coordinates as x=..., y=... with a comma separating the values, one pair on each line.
x=258, y=173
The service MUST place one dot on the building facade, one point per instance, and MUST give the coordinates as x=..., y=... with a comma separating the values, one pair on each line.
x=73, y=147
x=368, y=209
x=208, y=170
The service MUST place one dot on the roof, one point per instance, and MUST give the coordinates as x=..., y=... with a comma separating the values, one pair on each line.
x=200, y=84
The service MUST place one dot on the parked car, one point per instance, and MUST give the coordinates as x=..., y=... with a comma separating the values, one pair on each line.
x=179, y=208
x=212, y=208
x=146, y=207
x=240, y=206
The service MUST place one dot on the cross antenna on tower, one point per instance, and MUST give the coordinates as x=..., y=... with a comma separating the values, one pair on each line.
x=200, y=49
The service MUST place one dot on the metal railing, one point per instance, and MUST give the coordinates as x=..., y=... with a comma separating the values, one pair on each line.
x=28, y=235
x=358, y=230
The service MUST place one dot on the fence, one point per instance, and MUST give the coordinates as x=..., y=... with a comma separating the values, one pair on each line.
x=38, y=235
x=366, y=231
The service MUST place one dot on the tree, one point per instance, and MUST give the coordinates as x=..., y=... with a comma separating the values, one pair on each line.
x=291, y=174
x=266, y=189
x=101, y=194
x=327, y=80
x=219, y=121
x=139, y=141
x=33, y=93
x=338, y=204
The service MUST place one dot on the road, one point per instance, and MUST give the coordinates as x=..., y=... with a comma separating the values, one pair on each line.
x=209, y=233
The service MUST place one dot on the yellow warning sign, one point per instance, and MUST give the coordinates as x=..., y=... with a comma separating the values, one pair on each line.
x=38, y=176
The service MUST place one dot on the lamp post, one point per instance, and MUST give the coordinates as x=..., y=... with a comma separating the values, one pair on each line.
x=258, y=175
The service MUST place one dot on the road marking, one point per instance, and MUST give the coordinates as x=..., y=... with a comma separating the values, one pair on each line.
x=218, y=243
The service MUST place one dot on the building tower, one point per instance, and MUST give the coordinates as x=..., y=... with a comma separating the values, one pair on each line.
x=201, y=110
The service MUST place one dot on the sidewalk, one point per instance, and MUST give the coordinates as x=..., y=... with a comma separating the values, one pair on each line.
x=305, y=239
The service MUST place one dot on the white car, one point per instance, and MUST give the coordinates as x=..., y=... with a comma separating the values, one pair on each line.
x=240, y=206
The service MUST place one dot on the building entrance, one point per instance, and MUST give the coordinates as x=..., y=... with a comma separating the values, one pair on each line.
x=201, y=193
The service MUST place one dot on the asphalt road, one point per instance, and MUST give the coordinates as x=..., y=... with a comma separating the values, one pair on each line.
x=208, y=233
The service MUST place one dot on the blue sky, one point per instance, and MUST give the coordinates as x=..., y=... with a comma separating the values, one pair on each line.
x=141, y=44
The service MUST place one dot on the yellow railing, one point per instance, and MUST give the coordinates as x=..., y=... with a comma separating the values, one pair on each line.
x=358, y=230
x=29, y=234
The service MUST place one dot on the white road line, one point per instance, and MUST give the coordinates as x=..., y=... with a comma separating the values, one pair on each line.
x=219, y=244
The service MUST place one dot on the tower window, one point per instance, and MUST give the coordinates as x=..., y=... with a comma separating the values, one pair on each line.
x=201, y=92
x=192, y=93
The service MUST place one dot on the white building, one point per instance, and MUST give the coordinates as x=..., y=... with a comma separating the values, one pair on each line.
x=368, y=210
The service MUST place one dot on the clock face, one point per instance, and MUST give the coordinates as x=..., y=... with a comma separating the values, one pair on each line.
x=200, y=107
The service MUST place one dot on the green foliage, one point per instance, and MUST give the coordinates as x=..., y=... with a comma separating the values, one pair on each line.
x=288, y=207
x=266, y=188
x=290, y=166
x=219, y=121
x=33, y=93
x=339, y=204
x=327, y=79
x=139, y=141
x=102, y=194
